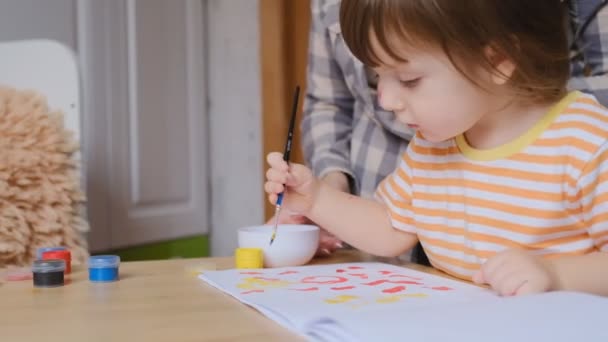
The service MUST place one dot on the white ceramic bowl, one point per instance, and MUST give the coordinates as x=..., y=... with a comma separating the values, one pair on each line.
x=294, y=245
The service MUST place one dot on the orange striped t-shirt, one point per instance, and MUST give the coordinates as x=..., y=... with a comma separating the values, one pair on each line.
x=546, y=191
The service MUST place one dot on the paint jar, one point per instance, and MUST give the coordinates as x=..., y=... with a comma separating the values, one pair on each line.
x=48, y=273
x=64, y=255
x=103, y=268
x=41, y=251
x=249, y=257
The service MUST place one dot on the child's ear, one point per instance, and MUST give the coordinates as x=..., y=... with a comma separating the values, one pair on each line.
x=503, y=67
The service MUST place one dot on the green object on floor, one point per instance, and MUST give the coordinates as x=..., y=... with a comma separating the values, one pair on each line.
x=190, y=247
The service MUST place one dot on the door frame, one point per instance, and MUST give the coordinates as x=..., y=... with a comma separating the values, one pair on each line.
x=284, y=29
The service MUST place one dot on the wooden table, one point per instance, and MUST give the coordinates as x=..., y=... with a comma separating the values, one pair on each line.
x=153, y=301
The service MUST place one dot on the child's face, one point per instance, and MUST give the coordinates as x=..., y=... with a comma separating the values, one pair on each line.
x=429, y=94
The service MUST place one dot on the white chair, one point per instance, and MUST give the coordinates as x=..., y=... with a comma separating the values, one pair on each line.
x=47, y=67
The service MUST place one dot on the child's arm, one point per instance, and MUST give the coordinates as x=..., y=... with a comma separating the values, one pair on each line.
x=587, y=273
x=520, y=272
x=363, y=223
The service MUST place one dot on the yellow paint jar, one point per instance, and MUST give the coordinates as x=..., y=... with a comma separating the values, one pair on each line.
x=249, y=258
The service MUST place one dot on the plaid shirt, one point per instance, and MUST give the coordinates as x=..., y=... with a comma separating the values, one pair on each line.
x=344, y=129
x=590, y=49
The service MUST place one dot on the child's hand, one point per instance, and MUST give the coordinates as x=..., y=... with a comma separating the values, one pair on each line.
x=295, y=180
x=516, y=272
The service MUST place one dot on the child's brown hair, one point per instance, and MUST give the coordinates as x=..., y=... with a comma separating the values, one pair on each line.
x=530, y=33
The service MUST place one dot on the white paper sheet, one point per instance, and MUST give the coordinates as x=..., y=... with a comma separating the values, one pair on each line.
x=381, y=302
x=551, y=317
x=295, y=296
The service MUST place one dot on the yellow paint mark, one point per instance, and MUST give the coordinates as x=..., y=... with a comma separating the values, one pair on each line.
x=389, y=299
x=340, y=299
x=415, y=295
x=396, y=298
x=253, y=283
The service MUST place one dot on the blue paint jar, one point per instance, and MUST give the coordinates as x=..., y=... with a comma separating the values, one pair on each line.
x=103, y=268
x=41, y=251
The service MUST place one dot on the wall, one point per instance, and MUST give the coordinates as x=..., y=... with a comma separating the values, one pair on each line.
x=233, y=113
x=53, y=19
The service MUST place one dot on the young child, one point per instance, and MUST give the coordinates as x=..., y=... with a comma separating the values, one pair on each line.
x=506, y=181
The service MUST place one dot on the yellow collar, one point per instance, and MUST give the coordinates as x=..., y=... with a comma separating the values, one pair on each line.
x=515, y=146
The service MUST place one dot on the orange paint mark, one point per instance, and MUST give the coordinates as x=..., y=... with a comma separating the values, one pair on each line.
x=320, y=280
x=252, y=291
x=395, y=289
x=339, y=270
x=360, y=275
x=309, y=289
x=288, y=272
x=403, y=276
x=383, y=281
x=409, y=282
x=441, y=288
x=355, y=267
x=340, y=288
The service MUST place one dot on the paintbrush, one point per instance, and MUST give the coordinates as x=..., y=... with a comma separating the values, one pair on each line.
x=286, y=153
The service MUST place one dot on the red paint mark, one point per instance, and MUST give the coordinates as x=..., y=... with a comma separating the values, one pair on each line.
x=343, y=288
x=252, y=291
x=386, y=272
x=251, y=273
x=442, y=288
x=377, y=282
x=339, y=270
x=288, y=272
x=309, y=289
x=403, y=276
x=355, y=267
x=382, y=281
x=409, y=282
x=323, y=280
x=360, y=275
x=394, y=289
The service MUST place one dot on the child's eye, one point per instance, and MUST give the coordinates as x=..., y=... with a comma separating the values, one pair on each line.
x=410, y=83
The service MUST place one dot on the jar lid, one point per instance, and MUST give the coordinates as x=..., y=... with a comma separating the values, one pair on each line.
x=41, y=250
x=102, y=261
x=49, y=265
x=58, y=254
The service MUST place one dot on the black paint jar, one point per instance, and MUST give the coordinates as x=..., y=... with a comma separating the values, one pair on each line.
x=48, y=273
